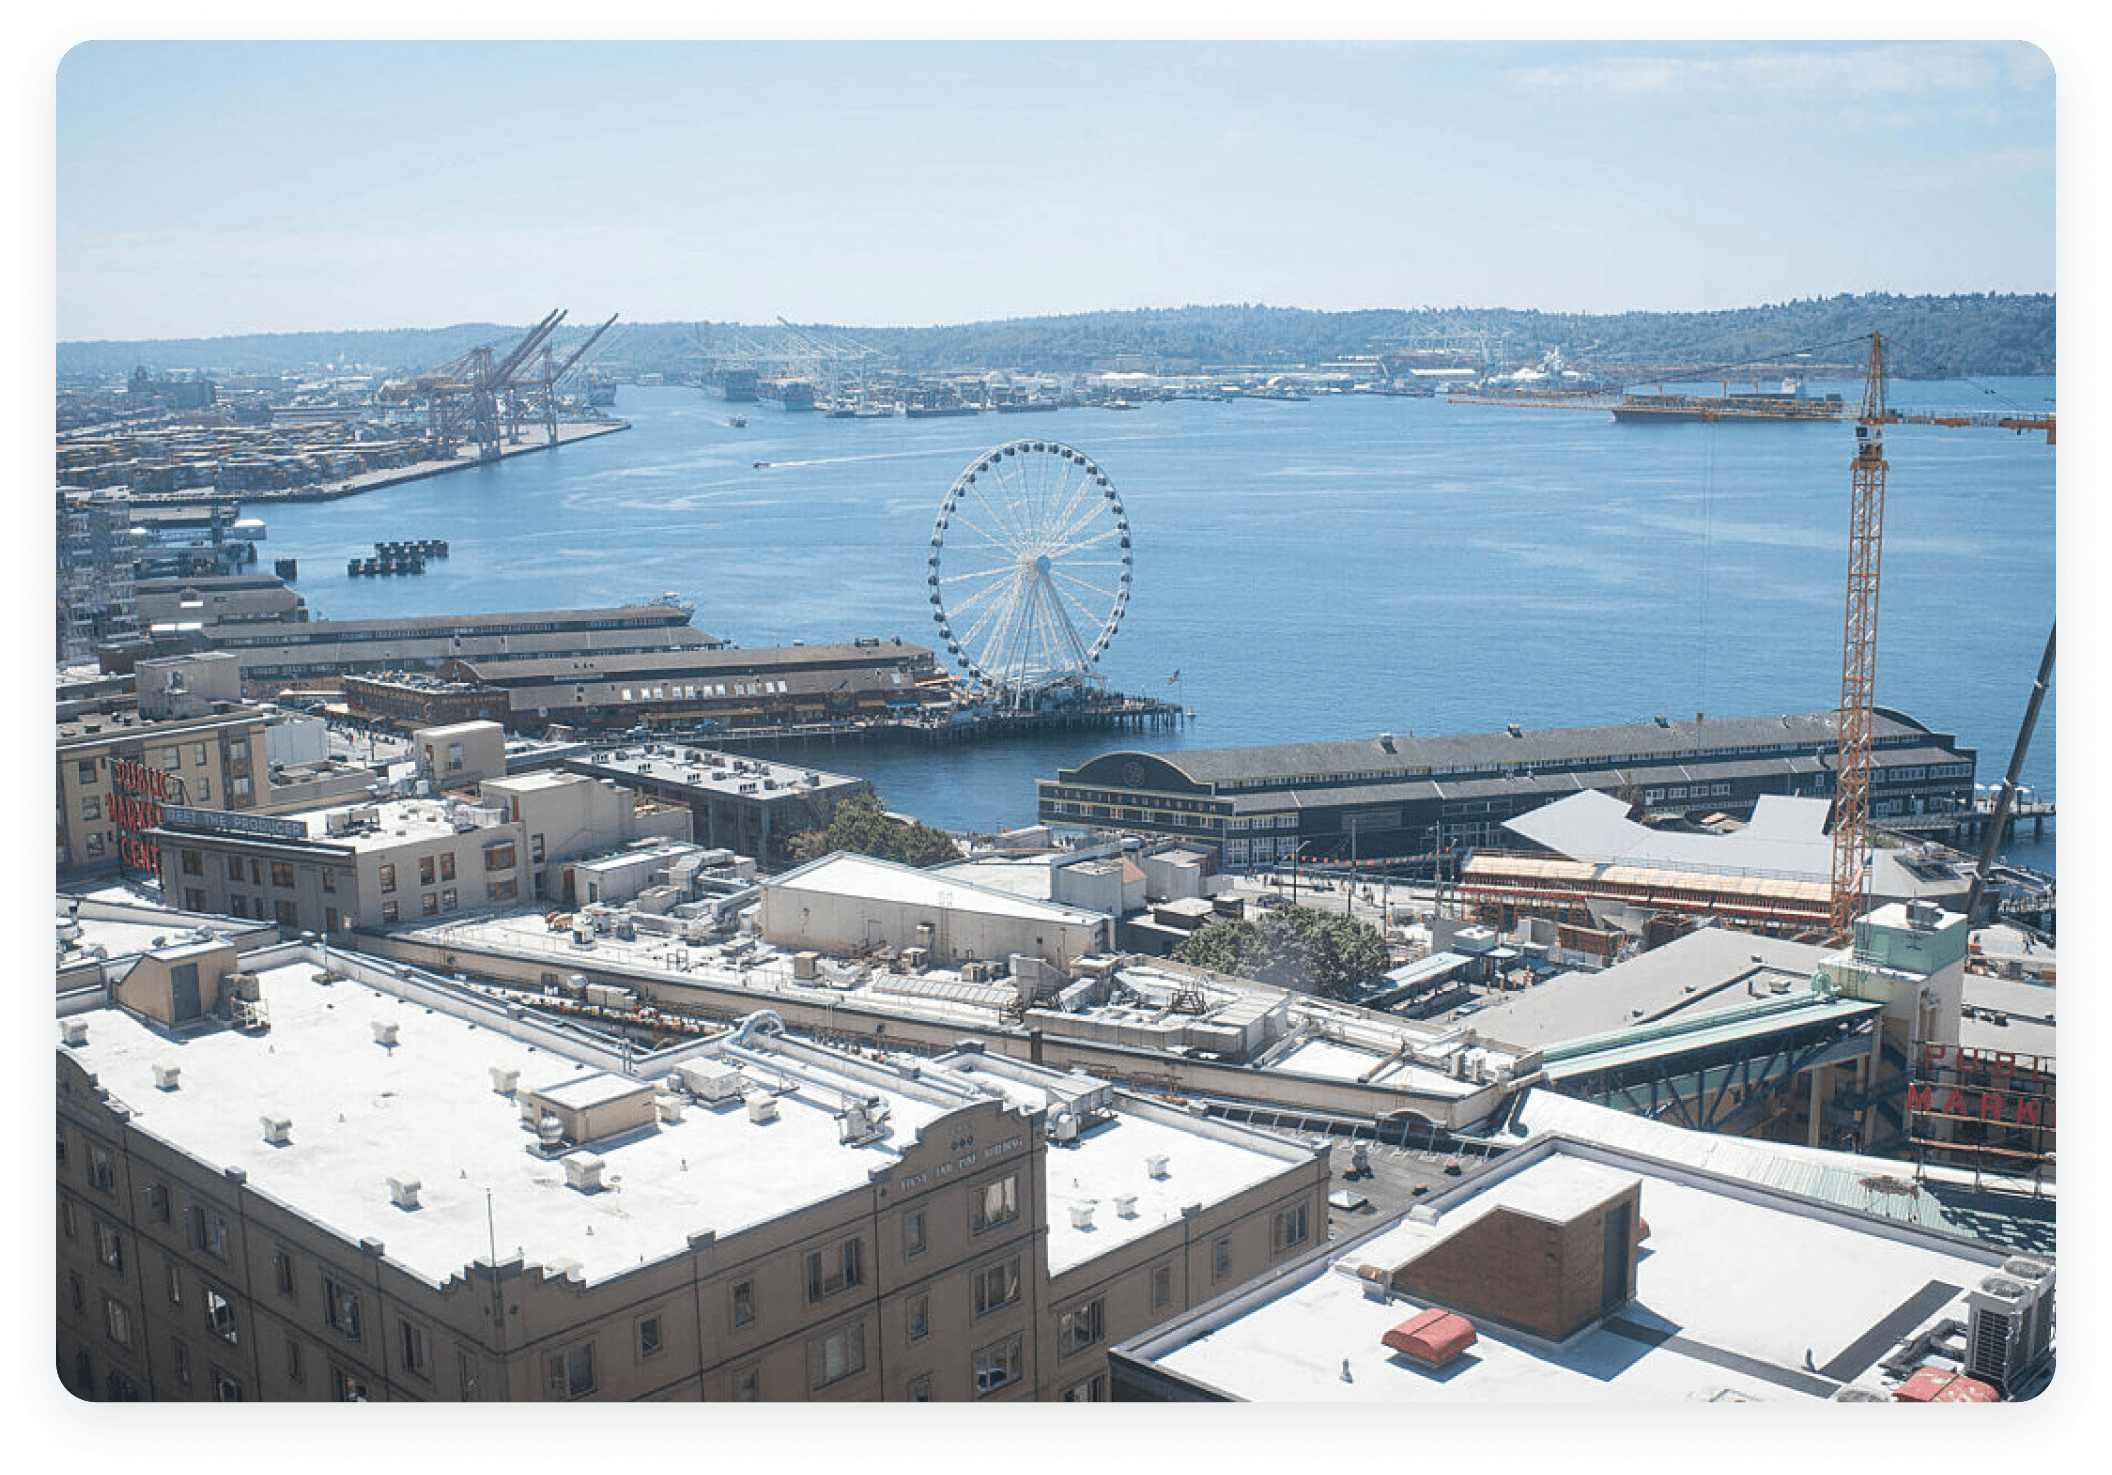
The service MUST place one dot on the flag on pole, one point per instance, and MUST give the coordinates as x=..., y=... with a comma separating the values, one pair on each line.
x=1176, y=676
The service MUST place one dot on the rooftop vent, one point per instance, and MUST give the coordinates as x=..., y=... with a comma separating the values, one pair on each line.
x=1660, y=721
x=165, y=1076
x=583, y=1172
x=1126, y=1205
x=1081, y=1216
x=549, y=1133
x=669, y=1107
x=762, y=1108
x=74, y=1031
x=278, y=1130
x=403, y=1192
x=1155, y=1165
x=1516, y=731
x=1386, y=741
x=385, y=1032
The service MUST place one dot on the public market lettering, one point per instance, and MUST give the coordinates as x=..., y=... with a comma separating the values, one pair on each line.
x=1984, y=1106
x=135, y=805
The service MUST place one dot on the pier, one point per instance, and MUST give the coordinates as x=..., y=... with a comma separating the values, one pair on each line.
x=1969, y=824
x=1116, y=713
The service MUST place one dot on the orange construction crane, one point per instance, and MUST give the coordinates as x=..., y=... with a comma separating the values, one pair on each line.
x=1866, y=525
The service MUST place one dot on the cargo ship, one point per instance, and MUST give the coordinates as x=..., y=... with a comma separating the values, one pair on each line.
x=1786, y=403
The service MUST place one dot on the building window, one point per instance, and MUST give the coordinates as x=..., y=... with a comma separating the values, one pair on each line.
x=650, y=1341
x=429, y=904
x=208, y=1230
x=919, y=1318
x=425, y=870
x=997, y=1367
x=239, y=905
x=837, y=1356
x=85, y=770
x=1221, y=1259
x=994, y=1203
x=1092, y=1390
x=329, y=880
x=117, y=1322
x=180, y=1359
x=347, y=1387
x=220, y=1315
x=469, y=1377
x=447, y=866
x=102, y=1173
x=388, y=877
x=448, y=901
x=79, y=1291
x=505, y=890
x=234, y=868
x=920, y=1388
x=172, y=1274
x=1291, y=1228
x=287, y=913
x=69, y=1225
x=389, y=912
x=293, y=1359
x=341, y=1308
x=158, y=1202
x=1081, y=1327
x=499, y=857
x=535, y=849
x=913, y=1234
x=192, y=861
x=282, y=874
x=835, y=1269
x=109, y=1248
x=240, y=788
x=205, y=789
x=416, y=1351
x=743, y=1302
x=193, y=899
x=95, y=843
x=996, y=1286
x=570, y=1373
x=747, y=1384
x=121, y=1388
x=225, y=1388
x=172, y=757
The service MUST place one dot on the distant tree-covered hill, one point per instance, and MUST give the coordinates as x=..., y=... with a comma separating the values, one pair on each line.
x=1969, y=335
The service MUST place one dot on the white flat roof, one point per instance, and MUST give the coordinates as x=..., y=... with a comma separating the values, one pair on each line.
x=865, y=879
x=362, y=1113
x=1733, y=1296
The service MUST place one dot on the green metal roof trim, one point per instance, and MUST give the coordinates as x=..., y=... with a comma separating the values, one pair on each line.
x=1664, y=1037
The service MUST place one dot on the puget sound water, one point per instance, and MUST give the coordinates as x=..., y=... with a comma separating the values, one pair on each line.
x=1336, y=568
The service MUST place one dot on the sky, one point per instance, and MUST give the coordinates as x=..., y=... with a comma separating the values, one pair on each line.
x=215, y=187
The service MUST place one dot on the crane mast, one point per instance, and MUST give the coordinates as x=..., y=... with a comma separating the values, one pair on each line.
x=1866, y=525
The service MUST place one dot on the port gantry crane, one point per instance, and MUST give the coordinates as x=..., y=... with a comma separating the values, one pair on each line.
x=1866, y=523
x=462, y=396
x=537, y=397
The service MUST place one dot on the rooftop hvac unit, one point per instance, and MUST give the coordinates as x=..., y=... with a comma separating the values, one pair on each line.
x=278, y=1130
x=1156, y=1165
x=762, y=1108
x=583, y=1172
x=403, y=1192
x=1081, y=1216
x=1063, y=1127
x=2010, y=1328
x=711, y=1081
x=669, y=1107
x=385, y=1032
x=505, y=1079
x=165, y=1076
x=1125, y=1206
x=74, y=1031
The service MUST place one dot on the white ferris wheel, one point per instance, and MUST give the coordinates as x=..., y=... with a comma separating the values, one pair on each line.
x=1029, y=569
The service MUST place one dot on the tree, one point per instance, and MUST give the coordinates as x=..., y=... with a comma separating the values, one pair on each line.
x=1293, y=947
x=861, y=825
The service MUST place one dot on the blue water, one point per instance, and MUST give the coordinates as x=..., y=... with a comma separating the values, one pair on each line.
x=1328, y=569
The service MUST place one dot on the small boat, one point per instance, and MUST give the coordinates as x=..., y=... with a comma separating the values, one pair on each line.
x=761, y=465
x=739, y=422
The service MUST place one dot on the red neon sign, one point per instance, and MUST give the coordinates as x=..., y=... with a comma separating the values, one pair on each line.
x=135, y=806
x=1987, y=1106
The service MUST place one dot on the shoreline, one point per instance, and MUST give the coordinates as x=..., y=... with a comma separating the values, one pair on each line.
x=373, y=481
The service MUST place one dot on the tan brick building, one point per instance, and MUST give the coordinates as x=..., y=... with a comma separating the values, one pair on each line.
x=277, y=1182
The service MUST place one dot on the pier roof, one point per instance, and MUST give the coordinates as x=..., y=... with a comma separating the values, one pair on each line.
x=1627, y=744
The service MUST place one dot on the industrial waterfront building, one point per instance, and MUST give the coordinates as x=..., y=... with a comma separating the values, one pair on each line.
x=1408, y=797
x=301, y=1175
x=281, y=654
x=705, y=685
x=749, y=805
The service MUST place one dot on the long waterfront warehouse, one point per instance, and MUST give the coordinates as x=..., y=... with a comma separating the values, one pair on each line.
x=1392, y=797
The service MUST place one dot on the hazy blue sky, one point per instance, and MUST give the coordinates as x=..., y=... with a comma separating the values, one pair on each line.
x=220, y=187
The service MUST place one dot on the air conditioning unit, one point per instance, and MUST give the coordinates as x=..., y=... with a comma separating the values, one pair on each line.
x=1063, y=1127
x=505, y=1079
x=74, y=1031
x=1156, y=1165
x=583, y=1171
x=1081, y=1216
x=385, y=1032
x=403, y=1192
x=762, y=1109
x=278, y=1130
x=1125, y=1206
x=2010, y=1323
x=165, y=1076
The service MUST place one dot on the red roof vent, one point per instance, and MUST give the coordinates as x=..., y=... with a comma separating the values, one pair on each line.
x=1432, y=1337
x=1940, y=1385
